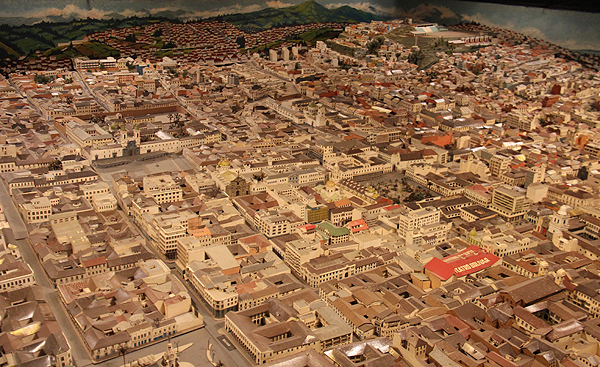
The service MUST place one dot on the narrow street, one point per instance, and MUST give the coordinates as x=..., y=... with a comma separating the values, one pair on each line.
x=199, y=337
x=13, y=217
x=79, y=78
x=229, y=358
x=232, y=358
x=15, y=222
x=32, y=103
x=78, y=349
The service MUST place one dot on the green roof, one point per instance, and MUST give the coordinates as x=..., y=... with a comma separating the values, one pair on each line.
x=333, y=230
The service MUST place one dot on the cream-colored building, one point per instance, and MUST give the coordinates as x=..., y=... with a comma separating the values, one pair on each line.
x=293, y=323
x=104, y=202
x=162, y=188
x=503, y=243
x=15, y=275
x=221, y=278
x=573, y=196
x=499, y=164
x=87, y=135
x=509, y=203
x=423, y=226
x=272, y=223
x=90, y=189
x=190, y=249
x=166, y=229
x=299, y=252
x=38, y=210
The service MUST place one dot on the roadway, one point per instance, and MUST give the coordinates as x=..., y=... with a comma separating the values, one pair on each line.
x=210, y=332
x=32, y=103
x=212, y=327
x=21, y=239
x=230, y=358
x=78, y=77
x=11, y=213
x=197, y=354
x=78, y=348
x=247, y=112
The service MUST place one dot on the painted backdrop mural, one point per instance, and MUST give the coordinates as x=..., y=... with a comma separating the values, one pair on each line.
x=574, y=30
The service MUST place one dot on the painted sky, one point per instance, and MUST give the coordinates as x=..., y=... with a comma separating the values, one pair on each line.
x=574, y=30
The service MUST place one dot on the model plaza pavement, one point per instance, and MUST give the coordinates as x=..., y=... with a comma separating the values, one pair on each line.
x=318, y=205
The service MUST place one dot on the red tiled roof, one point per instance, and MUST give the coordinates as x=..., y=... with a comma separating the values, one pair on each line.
x=95, y=261
x=468, y=261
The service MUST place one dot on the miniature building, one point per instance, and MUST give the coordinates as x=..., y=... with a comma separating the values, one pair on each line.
x=286, y=325
x=162, y=188
x=164, y=306
x=510, y=204
x=238, y=187
x=423, y=226
x=469, y=261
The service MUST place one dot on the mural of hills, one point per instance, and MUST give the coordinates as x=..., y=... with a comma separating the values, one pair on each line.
x=17, y=41
x=20, y=40
x=307, y=12
x=72, y=19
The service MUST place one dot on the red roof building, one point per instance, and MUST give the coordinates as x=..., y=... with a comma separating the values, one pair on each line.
x=357, y=225
x=469, y=261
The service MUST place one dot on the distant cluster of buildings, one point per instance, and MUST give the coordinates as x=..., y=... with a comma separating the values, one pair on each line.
x=211, y=42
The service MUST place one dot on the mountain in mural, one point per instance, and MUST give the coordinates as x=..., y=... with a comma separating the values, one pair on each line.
x=21, y=40
x=25, y=39
x=307, y=12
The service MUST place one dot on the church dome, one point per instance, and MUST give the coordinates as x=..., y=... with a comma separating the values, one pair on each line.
x=563, y=210
x=224, y=163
